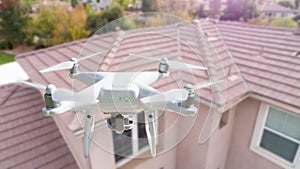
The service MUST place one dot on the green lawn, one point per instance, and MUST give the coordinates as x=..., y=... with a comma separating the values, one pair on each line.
x=6, y=58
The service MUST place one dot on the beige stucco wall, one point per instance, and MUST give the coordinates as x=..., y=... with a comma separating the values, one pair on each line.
x=220, y=142
x=210, y=155
x=240, y=156
x=98, y=156
x=72, y=143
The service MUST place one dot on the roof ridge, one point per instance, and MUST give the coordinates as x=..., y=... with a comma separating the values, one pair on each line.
x=9, y=96
x=51, y=48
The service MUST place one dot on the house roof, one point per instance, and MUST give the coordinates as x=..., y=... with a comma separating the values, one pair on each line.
x=256, y=59
x=276, y=8
x=27, y=139
x=267, y=57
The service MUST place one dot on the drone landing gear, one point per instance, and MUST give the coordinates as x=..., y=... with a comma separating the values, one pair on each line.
x=119, y=123
x=88, y=132
x=151, y=130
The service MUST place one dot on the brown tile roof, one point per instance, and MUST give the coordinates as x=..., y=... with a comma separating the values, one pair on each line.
x=255, y=59
x=265, y=57
x=28, y=139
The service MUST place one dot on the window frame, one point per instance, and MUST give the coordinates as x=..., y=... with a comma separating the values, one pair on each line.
x=135, y=147
x=260, y=126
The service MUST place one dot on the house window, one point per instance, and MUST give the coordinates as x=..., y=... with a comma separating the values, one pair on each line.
x=131, y=143
x=277, y=136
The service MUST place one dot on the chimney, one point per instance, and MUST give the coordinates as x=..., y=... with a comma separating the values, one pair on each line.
x=298, y=28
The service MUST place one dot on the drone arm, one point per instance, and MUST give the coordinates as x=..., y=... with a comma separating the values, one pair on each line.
x=151, y=130
x=89, y=78
x=149, y=77
x=88, y=132
x=64, y=107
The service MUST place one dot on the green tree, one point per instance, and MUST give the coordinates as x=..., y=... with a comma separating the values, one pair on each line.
x=99, y=19
x=215, y=7
x=149, y=6
x=287, y=4
x=13, y=21
x=238, y=9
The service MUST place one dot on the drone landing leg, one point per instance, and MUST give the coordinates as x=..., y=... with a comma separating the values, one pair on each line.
x=151, y=130
x=88, y=132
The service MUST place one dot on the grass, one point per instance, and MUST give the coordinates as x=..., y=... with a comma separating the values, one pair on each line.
x=6, y=58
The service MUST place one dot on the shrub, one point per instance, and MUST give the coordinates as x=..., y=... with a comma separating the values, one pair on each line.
x=287, y=22
x=55, y=25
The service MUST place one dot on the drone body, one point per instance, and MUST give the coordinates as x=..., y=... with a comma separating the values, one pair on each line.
x=121, y=94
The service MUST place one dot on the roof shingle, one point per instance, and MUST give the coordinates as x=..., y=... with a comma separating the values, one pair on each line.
x=27, y=138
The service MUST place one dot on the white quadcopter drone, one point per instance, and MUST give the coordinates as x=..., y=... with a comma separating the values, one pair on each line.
x=120, y=94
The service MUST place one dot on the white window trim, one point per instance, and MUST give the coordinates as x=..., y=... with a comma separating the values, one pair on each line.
x=135, y=149
x=256, y=139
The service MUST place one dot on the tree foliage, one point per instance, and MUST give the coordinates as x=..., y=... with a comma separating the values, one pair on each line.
x=297, y=18
x=13, y=21
x=149, y=6
x=55, y=24
x=260, y=21
x=238, y=9
x=123, y=3
x=74, y=3
x=287, y=4
x=96, y=20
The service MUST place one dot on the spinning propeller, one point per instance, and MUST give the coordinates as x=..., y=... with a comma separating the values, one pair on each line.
x=57, y=94
x=173, y=64
x=67, y=64
x=176, y=94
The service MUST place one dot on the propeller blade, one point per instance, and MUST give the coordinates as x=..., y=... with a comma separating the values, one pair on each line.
x=66, y=64
x=210, y=125
x=182, y=66
x=89, y=56
x=151, y=130
x=173, y=64
x=171, y=95
x=88, y=133
x=206, y=84
x=34, y=85
x=63, y=95
x=145, y=57
x=60, y=66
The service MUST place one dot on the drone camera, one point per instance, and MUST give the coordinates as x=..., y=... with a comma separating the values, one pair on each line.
x=119, y=123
